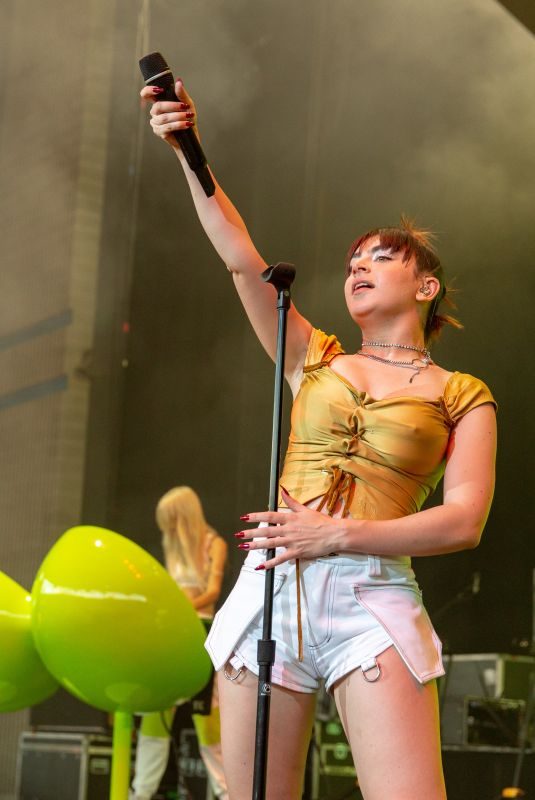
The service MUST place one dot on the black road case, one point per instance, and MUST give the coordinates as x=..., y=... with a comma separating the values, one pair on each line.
x=63, y=766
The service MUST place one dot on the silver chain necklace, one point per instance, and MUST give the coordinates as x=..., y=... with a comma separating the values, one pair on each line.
x=413, y=364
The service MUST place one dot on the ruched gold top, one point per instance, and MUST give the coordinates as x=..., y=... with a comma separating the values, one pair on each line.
x=393, y=448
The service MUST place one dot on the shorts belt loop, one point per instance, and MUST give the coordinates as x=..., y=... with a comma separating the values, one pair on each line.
x=374, y=566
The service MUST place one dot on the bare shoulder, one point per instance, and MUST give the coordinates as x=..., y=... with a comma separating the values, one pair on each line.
x=440, y=375
x=441, y=372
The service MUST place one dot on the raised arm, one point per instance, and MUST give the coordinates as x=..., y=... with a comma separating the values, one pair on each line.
x=230, y=237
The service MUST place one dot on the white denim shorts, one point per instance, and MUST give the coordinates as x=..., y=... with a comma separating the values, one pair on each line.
x=353, y=607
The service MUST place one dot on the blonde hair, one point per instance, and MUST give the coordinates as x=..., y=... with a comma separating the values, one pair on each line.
x=180, y=517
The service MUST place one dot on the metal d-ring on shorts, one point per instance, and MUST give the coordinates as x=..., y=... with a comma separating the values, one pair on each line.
x=353, y=607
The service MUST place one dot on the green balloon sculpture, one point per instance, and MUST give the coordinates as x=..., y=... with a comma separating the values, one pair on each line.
x=24, y=680
x=115, y=630
x=113, y=627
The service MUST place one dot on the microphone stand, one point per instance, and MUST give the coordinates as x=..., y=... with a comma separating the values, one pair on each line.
x=469, y=590
x=280, y=276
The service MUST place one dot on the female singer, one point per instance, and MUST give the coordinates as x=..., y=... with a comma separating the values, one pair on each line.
x=372, y=433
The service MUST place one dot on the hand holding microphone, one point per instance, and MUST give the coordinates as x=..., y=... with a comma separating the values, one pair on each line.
x=174, y=116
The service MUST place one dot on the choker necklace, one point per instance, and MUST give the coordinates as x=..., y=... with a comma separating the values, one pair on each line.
x=417, y=364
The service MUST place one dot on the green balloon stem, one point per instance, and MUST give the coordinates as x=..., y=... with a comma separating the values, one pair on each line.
x=123, y=724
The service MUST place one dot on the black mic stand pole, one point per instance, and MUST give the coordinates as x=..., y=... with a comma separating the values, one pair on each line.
x=281, y=276
x=470, y=589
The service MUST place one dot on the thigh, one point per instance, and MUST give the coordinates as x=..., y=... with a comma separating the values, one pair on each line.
x=393, y=729
x=291, y=719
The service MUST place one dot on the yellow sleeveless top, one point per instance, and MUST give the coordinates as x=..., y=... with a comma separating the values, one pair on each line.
x=383, y=457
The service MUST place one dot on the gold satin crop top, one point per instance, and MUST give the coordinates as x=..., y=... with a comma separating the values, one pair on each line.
x=384, y=457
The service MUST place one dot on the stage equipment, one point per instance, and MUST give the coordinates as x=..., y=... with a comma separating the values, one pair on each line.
x=185, y=777
x=333, y=773
x=24, y=679
x=63, y=712
x=482, y=697
x=156, y=72
x=482, y=773
x=114, y=628
x=330, y=770
x=527, y=733
x=281, y=276
x=497, y=723
x=54, y=766
x=471, y=771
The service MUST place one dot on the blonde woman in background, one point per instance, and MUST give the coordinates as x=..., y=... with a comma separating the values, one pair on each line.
x=195, y=557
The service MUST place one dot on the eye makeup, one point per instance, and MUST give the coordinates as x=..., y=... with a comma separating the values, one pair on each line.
x=376, y=252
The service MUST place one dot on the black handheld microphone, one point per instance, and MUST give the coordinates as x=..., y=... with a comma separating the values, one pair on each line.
x=156, y=72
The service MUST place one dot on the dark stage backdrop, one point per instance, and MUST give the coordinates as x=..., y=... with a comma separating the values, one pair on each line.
x=126, y=364
x=320, y=120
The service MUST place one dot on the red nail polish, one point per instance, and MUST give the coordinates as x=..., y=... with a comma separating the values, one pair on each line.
x=156, y=89
x=245, y=517
x=243, y=546
x=190, y=115
x=239, y=535
x=184, y=106
x=260, y=566
x=189, y=124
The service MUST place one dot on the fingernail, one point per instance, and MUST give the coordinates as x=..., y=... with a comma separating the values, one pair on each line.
x=260, y=566
x=157, y=89
x=190, y=115
x=183, y=106
x=243, y=546
x=245, y=517
x=189, y=124
x=240, y=534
